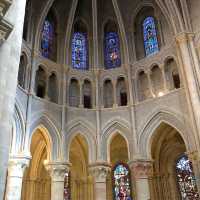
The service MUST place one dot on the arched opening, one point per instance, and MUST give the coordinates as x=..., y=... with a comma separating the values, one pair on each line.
x=172, y=74
x=74, y=93
x=53, y=88
x=26, y=19
x=22, y=71
x=146, y=33
x=79, y=177
x=122, y=98
x=40, y=82
x=49, y=37
x=36, y=181
x=112, y=54
x=143, y=86
x=87, y=94
x=80, y=51
x=168, y=149
x=157, y=81
x=108, y=99
x=119, y=184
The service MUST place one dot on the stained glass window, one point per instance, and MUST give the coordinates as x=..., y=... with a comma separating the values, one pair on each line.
x=186, y=179
x=150, y=36
x=47, y=38
x=67, y=187
x=122, y=186
x=112, y=50
x=80, y=51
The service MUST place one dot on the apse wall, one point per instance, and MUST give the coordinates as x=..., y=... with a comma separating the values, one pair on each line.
x=98, y=98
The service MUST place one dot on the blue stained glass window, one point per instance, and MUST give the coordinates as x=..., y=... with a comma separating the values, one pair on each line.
x=47, y=39
x=112, y=50
x=150, y=36
x=122, y=186
x=80, y=51
x=186, y=179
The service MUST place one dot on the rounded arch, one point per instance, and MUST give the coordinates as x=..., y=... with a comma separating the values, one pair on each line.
x=84, y=129
x=51, y=133
x=155, y=120
x=111, y=129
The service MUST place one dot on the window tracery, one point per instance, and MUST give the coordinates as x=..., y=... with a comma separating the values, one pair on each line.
x=122, y=185
x=186, y=179
x=150, y=36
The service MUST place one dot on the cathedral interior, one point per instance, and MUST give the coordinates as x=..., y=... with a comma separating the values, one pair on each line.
x=99, y=100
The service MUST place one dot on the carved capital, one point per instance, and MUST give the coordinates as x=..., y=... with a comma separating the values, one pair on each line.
x=58, y=170
x=17, y=165
x=183, y=37
x=100, y=171
x=141, y=169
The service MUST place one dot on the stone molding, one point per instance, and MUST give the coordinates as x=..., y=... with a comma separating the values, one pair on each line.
x=100, y=171
x=141, y=169
x=4, y=5
x=58, y=170
x=5, y=27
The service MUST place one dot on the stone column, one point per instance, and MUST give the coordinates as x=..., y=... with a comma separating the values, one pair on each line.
x=99, y=173
x=47, y=86
x=81, y=94
x=16, y=167
x=114, y=83
x=57, y=172
x=9, y=63
x=191, y=79
x=195, y=159
x=141, y=171
x=162, y=67
x=148, y=73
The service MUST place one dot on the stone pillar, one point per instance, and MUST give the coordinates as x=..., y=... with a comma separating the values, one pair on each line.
x=195, y=159
x=141, y=172
x=99, y=173
x=164, y=78
x=191, y=79
x=16, y=167
x=148, y=73
x=81, y=94
x=9, y=63
x=114, y=83
x=57, y=172
x=47, y=86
